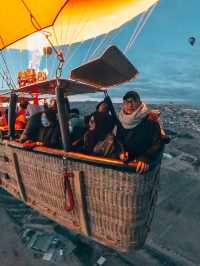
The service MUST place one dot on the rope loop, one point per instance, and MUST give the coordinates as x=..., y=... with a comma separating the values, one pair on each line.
x=68, y=191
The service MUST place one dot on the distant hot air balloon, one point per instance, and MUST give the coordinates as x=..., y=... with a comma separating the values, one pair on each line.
x=192, y=40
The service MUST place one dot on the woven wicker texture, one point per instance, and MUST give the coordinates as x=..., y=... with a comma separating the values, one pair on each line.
x=118, y=205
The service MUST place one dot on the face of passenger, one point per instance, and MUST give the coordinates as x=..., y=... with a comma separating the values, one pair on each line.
x=44, y=120
x=129, y=106
x=92, y=123
x=53, y=104
x=103, y=107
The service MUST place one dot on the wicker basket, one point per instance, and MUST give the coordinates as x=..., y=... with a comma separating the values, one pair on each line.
x=109, y=202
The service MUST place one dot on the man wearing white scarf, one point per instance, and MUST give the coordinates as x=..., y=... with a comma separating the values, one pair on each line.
x=139, y=133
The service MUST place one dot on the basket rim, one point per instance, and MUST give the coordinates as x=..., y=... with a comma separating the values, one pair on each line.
x=98, y=161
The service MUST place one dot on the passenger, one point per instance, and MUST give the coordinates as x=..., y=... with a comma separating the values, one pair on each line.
x=45, y=105
x=95, y=133
x=49, y=132
x=76, y=125
x=20, y=121
x=34, y=108
x=139, y=133
x=4, y=118
x=101, y=107
x=43, y=127
x=53, y=104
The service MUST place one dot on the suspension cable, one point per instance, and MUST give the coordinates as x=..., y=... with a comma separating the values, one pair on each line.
x=106, y=42
x=6, y=79
x=59, y=53
x=132, y=38
x=7, y=73
x=86, y=57
x=98, y=46
x=145, y=16
x=87, y=16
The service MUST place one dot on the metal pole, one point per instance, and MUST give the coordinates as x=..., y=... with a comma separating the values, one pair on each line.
x=12, y=115
x=63, y=115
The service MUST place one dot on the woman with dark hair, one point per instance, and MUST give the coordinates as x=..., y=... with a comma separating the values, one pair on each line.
x=102, y=107
x=99, y=125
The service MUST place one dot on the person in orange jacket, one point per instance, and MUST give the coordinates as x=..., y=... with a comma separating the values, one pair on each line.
x=20, y=121
x=4, y=119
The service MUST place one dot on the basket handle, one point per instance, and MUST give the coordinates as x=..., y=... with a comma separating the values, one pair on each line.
x=68, y=190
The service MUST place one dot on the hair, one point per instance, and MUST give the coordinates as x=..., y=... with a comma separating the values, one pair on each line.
x=51, y=114
x=24, y=104
x=75, y=111
x=133, y=95
x=100, y=103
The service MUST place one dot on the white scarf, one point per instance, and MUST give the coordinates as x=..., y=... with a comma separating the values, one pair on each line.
x=130, y=121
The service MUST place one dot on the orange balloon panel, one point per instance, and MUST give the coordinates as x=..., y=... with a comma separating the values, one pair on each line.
x=73, y=20
x=15, y=19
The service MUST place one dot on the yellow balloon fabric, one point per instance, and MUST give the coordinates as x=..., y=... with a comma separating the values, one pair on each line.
x=73, y=20
x=15, y=19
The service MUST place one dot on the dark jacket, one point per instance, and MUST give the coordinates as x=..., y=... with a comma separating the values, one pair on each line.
x=103, y=125
x=50, y=136
x=142, y=142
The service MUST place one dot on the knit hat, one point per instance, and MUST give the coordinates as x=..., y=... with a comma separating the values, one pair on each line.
x=132, y=94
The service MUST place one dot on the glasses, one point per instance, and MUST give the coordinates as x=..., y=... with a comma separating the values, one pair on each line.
x=130, y=101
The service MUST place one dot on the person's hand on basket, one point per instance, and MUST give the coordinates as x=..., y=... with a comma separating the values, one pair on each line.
x=141, y=166
x=29, y=144
x=39, y=143
x=124, y=156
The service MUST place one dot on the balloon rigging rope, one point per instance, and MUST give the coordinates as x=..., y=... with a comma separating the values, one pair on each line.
x=133, y=37
x=5, y=78
x=135, y=30
x=67, y=35
x=75, y=36
x=87, y=55
x=102, y=42
x=6, y=71
x=105, y=42
x=80, y=29
x=145, y=16
x=55, y=35
x=11, y=67
x=66, y=48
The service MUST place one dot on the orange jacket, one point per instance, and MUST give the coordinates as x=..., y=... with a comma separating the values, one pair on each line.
x=20, y=121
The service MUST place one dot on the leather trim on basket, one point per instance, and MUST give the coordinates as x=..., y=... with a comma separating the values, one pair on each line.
x=89, y=159
x=108, y=162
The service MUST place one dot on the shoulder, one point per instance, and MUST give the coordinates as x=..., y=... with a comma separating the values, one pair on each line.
x=152, y=122
x=152, y=118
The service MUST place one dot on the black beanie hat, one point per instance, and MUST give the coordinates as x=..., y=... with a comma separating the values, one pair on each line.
x=132, y=94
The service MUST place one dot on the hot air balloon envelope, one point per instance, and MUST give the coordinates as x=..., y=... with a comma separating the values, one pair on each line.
x=73, y=20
